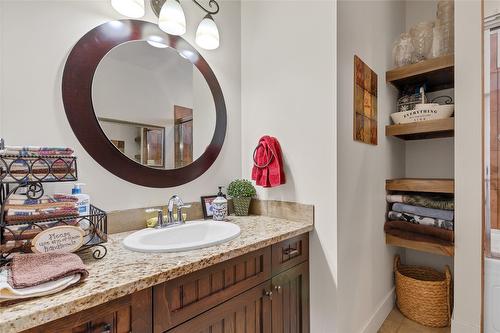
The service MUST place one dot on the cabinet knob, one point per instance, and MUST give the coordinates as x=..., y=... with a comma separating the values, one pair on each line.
x=269, y=294
x=107, y=328
x=278, y=289
x=290, y=251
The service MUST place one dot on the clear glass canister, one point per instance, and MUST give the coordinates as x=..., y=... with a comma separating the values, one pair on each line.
x=402, y=51
x=421, y=36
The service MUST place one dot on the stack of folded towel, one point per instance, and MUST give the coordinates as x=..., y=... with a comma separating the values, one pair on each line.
x=428, y=218
x=38, y=274
x=18, y=158
x=35, y=151
x=19, y=208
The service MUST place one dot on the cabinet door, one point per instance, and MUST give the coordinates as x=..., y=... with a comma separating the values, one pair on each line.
x=290, y=305
x=132, y=313
x=249, y=312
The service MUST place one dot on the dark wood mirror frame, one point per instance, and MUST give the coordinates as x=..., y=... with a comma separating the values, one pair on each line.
x=77, y=79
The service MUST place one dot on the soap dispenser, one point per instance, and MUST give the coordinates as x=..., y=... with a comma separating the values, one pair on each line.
x=219, y=206
x=83, y=203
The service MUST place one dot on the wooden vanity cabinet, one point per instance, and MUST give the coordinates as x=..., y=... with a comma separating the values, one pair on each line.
x=131, y=313
x=265, y=291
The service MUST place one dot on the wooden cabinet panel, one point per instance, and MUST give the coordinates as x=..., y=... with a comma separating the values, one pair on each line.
x=290, y=305
x=249, y=312
x=131, y=313
x=289, y=253
x=184, y=298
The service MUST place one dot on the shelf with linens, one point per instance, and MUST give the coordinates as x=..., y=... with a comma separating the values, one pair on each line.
x=414, y=123
x=25, y=209
x=409, y=197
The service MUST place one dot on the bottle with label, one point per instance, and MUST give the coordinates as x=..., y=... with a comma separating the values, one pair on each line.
x=220, y=206
x=83, y=203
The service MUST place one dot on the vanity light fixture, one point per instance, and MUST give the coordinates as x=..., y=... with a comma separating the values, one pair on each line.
x=130, y=8
x=172, y=20
x=207, y=34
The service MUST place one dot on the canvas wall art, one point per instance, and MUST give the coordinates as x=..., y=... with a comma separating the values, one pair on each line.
x=365, y=103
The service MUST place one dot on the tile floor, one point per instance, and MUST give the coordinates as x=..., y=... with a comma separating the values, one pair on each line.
x=397, y=323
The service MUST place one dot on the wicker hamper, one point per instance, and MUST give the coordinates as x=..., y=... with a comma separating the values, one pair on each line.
x=424, y=294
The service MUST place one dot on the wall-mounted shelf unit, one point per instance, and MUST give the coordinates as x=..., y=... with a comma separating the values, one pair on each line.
x=431, y=185
x=444, y=250
x=430, y=129
x=437, y=73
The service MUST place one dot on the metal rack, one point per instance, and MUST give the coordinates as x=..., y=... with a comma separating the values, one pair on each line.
x=26, y=174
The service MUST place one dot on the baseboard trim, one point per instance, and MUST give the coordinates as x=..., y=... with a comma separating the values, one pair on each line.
x=458, y=327
x=377, y=319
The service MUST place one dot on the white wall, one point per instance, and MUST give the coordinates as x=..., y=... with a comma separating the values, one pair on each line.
x=288, y=91
x=468, y=167
x=366, y=29
x=37, y=37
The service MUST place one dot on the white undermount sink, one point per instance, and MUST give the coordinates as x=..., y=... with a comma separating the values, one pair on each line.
x=184, y=237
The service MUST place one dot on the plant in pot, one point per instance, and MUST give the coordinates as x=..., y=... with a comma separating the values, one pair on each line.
x=241, y=191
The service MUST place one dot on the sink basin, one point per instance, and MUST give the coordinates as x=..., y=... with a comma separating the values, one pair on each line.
x=185, y=237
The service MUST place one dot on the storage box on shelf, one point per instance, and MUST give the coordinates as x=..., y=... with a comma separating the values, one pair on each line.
x=419, y=185
x=28, y=174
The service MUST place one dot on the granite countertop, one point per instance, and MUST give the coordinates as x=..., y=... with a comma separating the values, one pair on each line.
x=123, y=272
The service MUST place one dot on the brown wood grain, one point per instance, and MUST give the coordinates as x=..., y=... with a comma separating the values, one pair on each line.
x=186, y=297
x=432, y=185
x=282, y=256
x=420, y=246
x=437, y=73
x=429, y=129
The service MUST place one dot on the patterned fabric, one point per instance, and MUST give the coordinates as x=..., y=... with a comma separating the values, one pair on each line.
x=424, y=211
x=429, y=201
x=412, y=218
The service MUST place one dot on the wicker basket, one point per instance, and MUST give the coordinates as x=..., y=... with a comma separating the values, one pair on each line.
x=424, y=294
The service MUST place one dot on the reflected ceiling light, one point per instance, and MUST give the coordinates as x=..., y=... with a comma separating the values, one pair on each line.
x=207, y=34
x=157, y=42
x=130, y=8
x=172, y=19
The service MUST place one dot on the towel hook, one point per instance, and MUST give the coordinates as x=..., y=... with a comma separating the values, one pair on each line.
x=269, y=158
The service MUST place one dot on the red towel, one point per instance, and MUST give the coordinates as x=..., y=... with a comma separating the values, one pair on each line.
x=268, y=163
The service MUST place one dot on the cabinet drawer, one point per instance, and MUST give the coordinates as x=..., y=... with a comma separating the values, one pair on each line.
x=186, y=297
x=250, y=312
x=289, y=253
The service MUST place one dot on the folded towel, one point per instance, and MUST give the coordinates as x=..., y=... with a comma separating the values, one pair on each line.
x=32, y=269
x=397, y=216
x=429, y=201
x=446, y=235
x=423, y=211
x=7, y=292
x=34, y=151
x=415, y=236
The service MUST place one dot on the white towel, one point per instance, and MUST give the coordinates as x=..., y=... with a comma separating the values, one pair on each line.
x=9, y=293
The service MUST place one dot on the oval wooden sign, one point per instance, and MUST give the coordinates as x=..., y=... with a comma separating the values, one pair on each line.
x=64, y=238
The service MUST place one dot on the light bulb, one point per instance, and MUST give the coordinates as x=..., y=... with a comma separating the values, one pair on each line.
x=130, y=8
x=207, y=34
x=172, y=19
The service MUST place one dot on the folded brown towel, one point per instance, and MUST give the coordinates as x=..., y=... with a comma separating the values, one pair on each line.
x=415, y=236
x=444, y=234
x=31, y=269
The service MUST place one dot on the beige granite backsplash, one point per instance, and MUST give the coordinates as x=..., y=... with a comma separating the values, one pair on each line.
x=134, y=219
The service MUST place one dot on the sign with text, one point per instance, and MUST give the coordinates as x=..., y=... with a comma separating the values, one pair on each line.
x=58, y=239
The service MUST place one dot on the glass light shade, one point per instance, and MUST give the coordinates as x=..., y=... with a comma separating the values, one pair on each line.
x=130, y=8
x=207, y=34
x=172, y=19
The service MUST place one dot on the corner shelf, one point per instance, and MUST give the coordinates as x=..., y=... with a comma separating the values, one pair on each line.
x=431, y=185
x=430, y=129
x=437, y=73
x=420, y=246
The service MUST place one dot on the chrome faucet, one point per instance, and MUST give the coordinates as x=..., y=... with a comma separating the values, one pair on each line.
x=177, y=201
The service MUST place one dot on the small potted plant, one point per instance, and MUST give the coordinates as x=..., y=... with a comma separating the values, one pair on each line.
x=241, y=191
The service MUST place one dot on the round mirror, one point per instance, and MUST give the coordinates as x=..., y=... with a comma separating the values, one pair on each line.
x=144, y=104
x=153, y=104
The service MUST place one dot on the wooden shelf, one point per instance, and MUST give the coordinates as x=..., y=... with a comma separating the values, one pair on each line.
x=420, y=246
x=437, y=73
x=432, y=185
x=429, y=129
